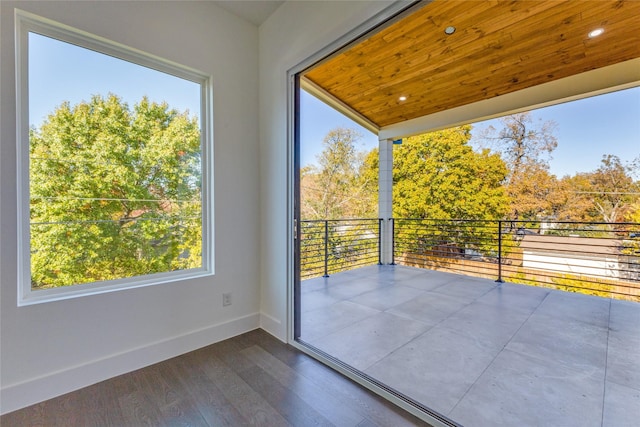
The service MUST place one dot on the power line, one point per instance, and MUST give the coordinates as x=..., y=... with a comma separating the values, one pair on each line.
x=106, y=199
x=106, y=221
x=635, y=193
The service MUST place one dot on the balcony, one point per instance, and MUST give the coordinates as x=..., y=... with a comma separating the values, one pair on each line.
x=479, y=348
x=594, y=258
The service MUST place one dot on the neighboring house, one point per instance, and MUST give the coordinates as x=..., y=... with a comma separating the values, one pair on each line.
x=596, y=257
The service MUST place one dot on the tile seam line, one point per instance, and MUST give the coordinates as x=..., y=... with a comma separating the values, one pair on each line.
x=496, y=356
x=606, y=363
x=431, y=328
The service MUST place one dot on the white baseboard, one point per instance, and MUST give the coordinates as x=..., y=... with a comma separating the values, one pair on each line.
x=273, y=326
x=17, y=396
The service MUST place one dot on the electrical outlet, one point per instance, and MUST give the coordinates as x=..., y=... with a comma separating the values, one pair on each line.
x=226, y=299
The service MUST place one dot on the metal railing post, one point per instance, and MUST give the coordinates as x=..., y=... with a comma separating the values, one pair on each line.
x=380, y=241
x=393, y=241
x=326, y=249
x=500, y=252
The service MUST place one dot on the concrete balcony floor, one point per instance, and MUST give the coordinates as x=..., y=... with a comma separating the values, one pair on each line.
x=479, y=352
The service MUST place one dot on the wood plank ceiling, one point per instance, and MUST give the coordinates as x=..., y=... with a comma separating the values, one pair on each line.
x=498, y=47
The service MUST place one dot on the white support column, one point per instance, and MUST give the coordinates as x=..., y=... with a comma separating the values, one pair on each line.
x=385, y=198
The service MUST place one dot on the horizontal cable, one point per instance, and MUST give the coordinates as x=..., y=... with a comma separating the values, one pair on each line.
x=100, y=221
x=110, y=199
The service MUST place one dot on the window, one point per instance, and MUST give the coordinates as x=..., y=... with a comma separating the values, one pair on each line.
x=114, y=165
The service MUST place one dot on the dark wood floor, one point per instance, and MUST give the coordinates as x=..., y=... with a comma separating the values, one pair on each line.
x=249, y=380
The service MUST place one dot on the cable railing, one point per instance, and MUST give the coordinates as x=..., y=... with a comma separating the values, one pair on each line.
x=331, y=246
x=588, y=257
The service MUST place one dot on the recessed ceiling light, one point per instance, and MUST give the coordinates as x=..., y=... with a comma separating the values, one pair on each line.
x=596, y=32
x=402, y=98
x=449, y=30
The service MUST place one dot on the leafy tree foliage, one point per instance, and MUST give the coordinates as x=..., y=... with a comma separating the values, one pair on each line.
x=535, y=193
x=615, y=189
x=575, y=206
x=603, y=195
x=522, y=142
x=634, y=213
x=339, y=187
x=439, y=176
x=607, y=194
x=115, y=192
x=526, y=147
x=447, y=197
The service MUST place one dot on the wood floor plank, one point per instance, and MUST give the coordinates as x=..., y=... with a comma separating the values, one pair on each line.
x=249, y=403
x=68, y=408
x=176, y=406
x=136, y=409
x=93, y=403
x=230, y=352
x=286, y=353
x=295, y=410
x=32, y=416
x=112, y=390
x=250, y=380
x=208, y=398
x=371, y=406
x=327, y=404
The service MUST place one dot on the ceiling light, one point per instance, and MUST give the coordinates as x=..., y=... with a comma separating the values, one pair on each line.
x=402, y=98
x=596, y=32
x=449, y=30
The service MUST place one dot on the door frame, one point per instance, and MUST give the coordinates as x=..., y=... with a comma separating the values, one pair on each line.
x=395, y=11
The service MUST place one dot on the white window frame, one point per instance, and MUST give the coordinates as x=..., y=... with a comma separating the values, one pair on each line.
x=26, y=23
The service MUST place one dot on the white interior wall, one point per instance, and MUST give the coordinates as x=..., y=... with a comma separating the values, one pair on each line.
x=53, y=348
x=295, y=32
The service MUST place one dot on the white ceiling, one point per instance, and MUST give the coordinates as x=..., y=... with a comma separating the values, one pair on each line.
x=254, y=11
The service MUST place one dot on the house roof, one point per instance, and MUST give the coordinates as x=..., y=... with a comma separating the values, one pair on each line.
x=571, y=245
x=497, y=48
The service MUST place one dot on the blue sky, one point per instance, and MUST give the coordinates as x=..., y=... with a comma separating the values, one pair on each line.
x=60, y=72
x=587, y=129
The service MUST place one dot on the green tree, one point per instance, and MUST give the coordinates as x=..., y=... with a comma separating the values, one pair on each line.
x=522, y=141
x=439, y=176
x=450, y=190
x=368, y=179
x=526, y=147
x=608, y=194
x=115, y=192
x=612, y=189
x=535, y=193
x=576, y=205
x=615, y=190
x=339, y=186
x=633, y=215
